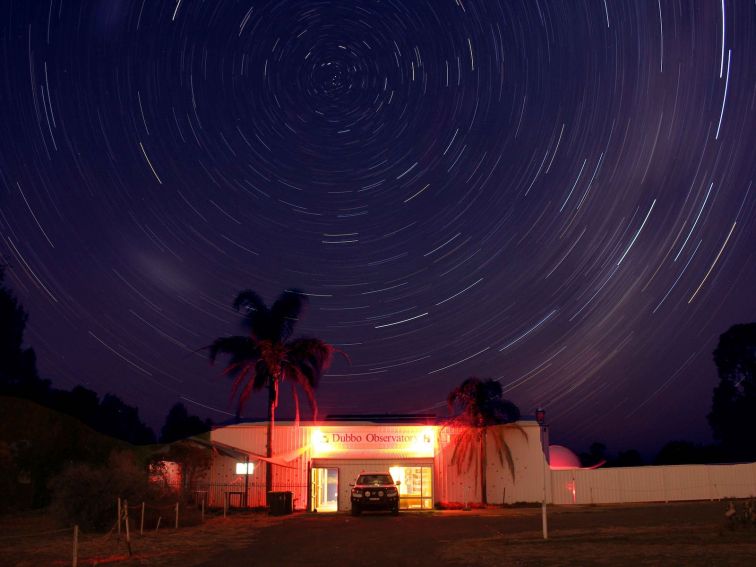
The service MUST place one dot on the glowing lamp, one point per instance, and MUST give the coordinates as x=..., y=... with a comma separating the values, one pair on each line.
x=245, y=468
x=319, y=441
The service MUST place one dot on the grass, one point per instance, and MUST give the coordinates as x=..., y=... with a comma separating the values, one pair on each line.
x=692, y=533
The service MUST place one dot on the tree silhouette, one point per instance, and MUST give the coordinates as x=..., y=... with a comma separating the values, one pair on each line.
x=18, y=364
x=180, y=425
x=687, y=453
x=480, y=406
x=266, y=357
x=733, y=409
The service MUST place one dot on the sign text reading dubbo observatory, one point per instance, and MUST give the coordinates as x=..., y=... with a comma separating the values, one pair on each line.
x=371, y=438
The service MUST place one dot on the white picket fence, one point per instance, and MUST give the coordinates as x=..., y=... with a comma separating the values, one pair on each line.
x=653, y=484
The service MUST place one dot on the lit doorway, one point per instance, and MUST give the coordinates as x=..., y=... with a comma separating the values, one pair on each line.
x=325, y=489
x=416, y=488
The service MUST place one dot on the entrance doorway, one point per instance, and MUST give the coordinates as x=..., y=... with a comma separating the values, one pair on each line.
x=325, y=489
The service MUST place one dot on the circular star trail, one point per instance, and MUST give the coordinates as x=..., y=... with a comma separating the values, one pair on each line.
x=555, y=195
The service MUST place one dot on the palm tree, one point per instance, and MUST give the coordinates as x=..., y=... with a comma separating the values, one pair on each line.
x=480, y=407
x=266, y=356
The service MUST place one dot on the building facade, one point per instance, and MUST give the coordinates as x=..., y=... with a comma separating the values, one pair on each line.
x=318, y=462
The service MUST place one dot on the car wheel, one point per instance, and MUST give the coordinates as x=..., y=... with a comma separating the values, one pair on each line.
x=355, y=511
x=395, y=511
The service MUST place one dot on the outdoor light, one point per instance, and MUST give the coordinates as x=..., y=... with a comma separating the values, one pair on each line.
x=540, y=415
x=245, y=468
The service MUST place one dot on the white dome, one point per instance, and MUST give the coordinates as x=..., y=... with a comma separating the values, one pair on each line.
x=561, y=458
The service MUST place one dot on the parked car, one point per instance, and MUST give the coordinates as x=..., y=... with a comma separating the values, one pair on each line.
x=375, y=491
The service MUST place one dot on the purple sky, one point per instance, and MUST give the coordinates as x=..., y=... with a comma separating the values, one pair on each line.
x=557, y=195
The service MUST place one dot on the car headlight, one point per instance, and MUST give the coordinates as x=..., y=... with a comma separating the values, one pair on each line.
x=380, y=493
x=391, y=492
x=357, y=493
x=367, y=493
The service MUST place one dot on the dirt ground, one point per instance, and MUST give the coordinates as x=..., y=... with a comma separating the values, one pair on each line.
x=655, y=534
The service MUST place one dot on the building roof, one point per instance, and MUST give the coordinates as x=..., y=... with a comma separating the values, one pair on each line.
x=424, y=418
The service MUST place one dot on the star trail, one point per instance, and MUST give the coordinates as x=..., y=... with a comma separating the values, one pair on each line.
x=557, y=195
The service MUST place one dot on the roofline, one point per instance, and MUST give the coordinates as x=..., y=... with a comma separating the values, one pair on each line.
x=527, y=420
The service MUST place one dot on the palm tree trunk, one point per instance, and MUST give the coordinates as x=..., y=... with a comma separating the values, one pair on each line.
x=269, y=447
x=483, y=463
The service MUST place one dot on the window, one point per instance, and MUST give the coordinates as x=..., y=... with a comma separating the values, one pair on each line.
x=245, y=468
x=374, y=479
x=416, y=488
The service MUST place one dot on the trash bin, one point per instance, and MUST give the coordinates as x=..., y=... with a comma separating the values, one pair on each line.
x=280, y=503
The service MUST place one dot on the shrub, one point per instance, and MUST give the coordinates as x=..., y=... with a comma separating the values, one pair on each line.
x=87, y=495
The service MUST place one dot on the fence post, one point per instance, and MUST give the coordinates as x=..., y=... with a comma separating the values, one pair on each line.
x=119, y=517
x=126, y=522
x=177, y=515
x=203, y=510
x=75, y=560
x=141, y=523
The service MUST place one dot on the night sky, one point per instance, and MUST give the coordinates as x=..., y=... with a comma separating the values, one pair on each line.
x=557, y=195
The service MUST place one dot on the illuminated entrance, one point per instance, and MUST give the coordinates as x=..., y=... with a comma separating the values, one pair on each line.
x=416, y=488
x=340, y=453
x=325, y=489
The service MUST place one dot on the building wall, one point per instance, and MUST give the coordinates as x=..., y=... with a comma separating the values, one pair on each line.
x=457, y=485
x=288, y=444
x=653, y=484
x=300, y=446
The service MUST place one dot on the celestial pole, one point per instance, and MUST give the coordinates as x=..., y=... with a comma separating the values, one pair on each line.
x=556, y=195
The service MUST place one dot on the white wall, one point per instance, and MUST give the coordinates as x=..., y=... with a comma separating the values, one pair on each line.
x=524, y=440
x=450, y=485
x=287, y=441
x=653, y=484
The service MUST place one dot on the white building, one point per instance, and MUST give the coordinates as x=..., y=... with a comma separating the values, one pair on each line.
x=318, y=461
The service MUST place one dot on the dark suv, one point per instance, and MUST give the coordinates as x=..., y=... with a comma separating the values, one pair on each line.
x=375, y=491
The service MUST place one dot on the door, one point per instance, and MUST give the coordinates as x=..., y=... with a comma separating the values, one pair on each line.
x=325, y=489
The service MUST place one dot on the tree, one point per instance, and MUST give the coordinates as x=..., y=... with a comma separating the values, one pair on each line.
x=18, y=365
x=193, y=459
x=265, y=357
x=480, y=406
x=733, y=409
x=180, y=425
x=687, y=453
x=122, y=421
x=595, y=456
x=629, y=458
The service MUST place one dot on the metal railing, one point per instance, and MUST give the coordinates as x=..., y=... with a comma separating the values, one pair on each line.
x=234, y=495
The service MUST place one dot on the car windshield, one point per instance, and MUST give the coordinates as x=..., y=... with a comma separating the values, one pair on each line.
x=375, y=479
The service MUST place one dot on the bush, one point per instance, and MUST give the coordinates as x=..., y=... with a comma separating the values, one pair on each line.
x=87, y=495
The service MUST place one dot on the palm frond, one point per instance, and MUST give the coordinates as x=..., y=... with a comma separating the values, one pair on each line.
x=242, y=373
x=294, y=375
x=503, y=449
x=295, y=395
x=476, y=407
x=311, y=357
x=285, y=313
x=505, y=411
x=239, y=348
x=262, y=376
x=465, y=448
x=262, y=359
x=256, y=315
x=246, y=393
